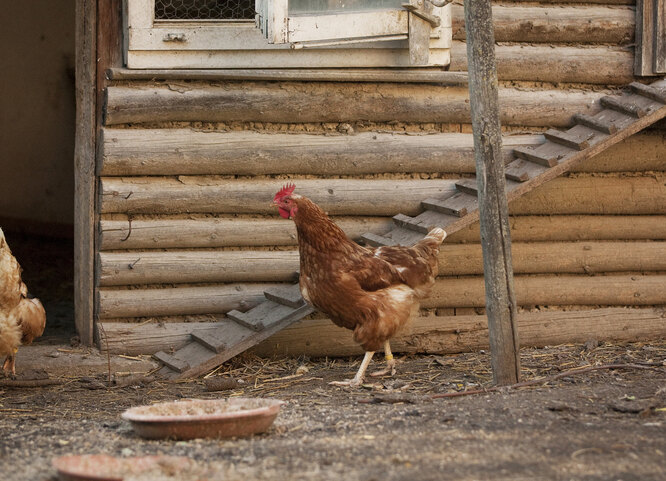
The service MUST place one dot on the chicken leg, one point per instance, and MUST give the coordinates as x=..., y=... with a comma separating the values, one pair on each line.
x=360, y=375
x=390, y=362
x=9, y=367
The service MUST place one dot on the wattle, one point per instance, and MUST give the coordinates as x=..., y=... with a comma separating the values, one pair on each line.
x=283, y=212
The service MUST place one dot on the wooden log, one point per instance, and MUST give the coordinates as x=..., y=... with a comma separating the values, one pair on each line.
x=603, y=65
x=169, y=233
x=538, y=24
x=113, y=303
x=190, y=152
x=327, y=102
x=428, y=334
x=211, y=195
x=564, y=257
x=580, y=194
x=531, y=290
x=595, y=195
x=182, y=267
x=178, y=267
x=454, y=334
x=174, y=233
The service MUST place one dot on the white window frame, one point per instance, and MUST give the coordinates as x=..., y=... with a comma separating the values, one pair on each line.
x=151, y=44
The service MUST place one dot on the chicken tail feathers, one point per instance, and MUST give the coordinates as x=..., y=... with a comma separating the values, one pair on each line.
x=434, y=238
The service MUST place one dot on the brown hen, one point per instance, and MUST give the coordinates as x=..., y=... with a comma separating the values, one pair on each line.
x=22, y=318
x=373, y=292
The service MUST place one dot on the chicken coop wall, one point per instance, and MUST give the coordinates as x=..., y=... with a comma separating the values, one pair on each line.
x=187, y=169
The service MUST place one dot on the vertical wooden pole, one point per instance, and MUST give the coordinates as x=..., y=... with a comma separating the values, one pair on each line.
x=493, y=209
x=84, y=167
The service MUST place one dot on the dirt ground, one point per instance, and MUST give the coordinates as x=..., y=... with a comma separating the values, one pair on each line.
x=607, y=424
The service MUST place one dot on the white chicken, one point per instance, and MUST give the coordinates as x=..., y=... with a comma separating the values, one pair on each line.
x=22, y=318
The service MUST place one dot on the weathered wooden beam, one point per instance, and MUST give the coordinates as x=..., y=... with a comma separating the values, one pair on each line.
x=533, y=289
x=165, y=233
x=211, y=195
x=115, y=303
x=326, y=102
x=84, y=167
x=174, y=233
x=493, y=206
x=544, y=24
x=126, y=152
x=429, y=334
x=580, y=194
x=190, y=152
x=206, y=266
x=453, y=334
x=604, y=65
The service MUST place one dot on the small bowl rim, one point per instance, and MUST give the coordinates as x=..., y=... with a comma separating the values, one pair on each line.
x=273, y=405
x=57, y=464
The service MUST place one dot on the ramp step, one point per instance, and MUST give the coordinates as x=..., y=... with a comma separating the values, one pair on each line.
x=649, y=92
x=624, y=106
x=459, y=204
x=595, y=123
x=468, y=186
x=374, y=240
x=527, y=153
x=213, y=340
x=172, y=362
x=261, y=316
x=286, y=295
x=523, y=170
x=568, y=140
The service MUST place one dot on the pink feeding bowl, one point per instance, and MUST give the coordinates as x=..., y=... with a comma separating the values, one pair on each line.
x=202, y=418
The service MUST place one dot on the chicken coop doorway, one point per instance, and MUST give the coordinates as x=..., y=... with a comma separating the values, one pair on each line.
x=36, y=152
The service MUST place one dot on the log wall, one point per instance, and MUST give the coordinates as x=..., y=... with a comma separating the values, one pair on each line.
x=186, y=171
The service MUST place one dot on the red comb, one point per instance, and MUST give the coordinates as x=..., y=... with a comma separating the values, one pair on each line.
x=288, y=189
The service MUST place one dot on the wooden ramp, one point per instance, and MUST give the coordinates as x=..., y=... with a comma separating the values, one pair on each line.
x=621, y=116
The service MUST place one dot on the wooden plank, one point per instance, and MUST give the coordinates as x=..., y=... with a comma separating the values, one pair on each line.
x=659, y=37
x=458, y=204
x=211, y=339
x=239, y=344
x=532, y=155
x=650, y=92
x=323, y=102
x=374, y=240
x=568, y=140
x=301, y=75
x=602, y=65
x=468, y=186
x=522, y=170
x=557, y=24
x=285, y=295
x=173, y=362
x=469, y=333
x=149, y=302
x=210, y=195
x=169, y=232
x=261, y=316
x=192, y=152
x=84, y=168
x=644, y=34
x=624, y=106
x=425, y=221
x=595, y=123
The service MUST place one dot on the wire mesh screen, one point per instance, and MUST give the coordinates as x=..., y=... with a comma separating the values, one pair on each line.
x=204, y=10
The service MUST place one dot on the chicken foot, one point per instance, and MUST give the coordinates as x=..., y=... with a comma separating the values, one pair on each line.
x=390, y=362
x=360, y=375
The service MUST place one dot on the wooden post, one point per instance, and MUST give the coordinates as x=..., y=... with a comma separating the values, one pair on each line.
x=495, y=238
x=84, y=167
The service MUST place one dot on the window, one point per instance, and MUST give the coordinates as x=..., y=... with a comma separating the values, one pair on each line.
x=172, y=34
